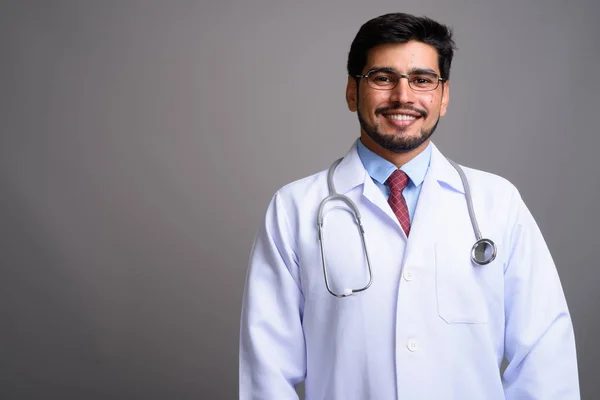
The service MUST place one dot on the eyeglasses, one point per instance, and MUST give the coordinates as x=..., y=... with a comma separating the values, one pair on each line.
x=387, y=79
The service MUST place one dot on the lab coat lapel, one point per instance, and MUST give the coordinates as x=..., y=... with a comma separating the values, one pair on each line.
x=428, y=221
x=420, y=245
x=351, y=173
x=372, y=193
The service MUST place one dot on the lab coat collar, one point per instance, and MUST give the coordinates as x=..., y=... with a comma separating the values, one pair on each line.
x=350, y=172
x=443, y=171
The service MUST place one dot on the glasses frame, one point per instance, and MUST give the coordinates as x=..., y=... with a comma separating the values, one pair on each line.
x=400, y=76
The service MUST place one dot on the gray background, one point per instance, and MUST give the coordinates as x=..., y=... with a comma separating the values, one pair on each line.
x=141, y=142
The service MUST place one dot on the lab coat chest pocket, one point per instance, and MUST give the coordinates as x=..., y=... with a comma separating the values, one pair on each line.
x=461, y=285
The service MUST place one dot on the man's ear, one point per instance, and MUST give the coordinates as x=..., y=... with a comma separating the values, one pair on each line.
x=351, y=94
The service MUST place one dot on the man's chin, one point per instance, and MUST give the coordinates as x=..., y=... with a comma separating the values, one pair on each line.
x=412, y=128
x=404, y=147
x=402, y=134
x=398, y=142
x=397, y=139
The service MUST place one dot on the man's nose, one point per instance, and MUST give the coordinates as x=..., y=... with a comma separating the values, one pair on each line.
x=402, y=92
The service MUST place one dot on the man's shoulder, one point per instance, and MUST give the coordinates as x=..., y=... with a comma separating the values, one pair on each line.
x=479, y=181
x=495, y=191
x=488, y=180
x=303, y=187
x=300, y=198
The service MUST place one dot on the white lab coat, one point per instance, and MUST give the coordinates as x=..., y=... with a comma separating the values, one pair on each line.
x=432, y=325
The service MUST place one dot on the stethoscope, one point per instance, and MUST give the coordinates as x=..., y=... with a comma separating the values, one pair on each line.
x=483, y=251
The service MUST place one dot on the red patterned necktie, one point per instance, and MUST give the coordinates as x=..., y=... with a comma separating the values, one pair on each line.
x=397, y=182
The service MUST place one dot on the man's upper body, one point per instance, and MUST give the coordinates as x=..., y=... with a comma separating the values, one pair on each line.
x=432, y=325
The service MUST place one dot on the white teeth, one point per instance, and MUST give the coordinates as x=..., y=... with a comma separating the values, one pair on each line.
x=401, y=117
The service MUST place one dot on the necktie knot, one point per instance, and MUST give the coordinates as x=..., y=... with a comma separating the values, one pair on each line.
x=397, y=181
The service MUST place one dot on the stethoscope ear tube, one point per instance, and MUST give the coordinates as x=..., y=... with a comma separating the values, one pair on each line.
x=320, y=223
x=334, y=195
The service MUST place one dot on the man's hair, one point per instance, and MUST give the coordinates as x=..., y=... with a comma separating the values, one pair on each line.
x=401, y=28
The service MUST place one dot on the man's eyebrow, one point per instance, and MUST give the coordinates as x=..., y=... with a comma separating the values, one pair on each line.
x=416, y=70
x=424, y=71
x=382, y=69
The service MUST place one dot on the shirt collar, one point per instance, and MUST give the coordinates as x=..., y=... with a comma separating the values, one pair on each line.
x=351, y=172
x=380, y=169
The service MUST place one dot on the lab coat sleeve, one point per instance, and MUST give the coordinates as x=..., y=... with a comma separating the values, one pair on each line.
x=539, y=338
x=272, y=349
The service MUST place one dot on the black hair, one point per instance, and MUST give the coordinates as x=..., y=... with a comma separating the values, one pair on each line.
x=401, y=28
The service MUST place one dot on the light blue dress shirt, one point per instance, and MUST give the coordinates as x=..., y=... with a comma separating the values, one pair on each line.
x=380, y=169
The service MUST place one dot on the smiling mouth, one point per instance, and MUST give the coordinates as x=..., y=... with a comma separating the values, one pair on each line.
x=401, y=117
x=400, y=120
x=401, y=112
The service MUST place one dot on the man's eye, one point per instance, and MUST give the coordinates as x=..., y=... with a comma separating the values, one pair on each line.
x=421, y=80
x=383, y=79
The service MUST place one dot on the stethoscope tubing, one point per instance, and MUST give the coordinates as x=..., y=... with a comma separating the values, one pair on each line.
x=479, y=255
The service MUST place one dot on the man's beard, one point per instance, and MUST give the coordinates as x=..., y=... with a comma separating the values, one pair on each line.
x=396, y=143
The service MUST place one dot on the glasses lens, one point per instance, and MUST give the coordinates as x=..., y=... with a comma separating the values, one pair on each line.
x=382, y=80
x=423, y=82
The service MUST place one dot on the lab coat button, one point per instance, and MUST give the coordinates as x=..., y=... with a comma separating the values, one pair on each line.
x=408, y=275
x=412, y=345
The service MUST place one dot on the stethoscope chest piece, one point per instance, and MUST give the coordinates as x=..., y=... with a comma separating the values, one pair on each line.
x=483, y=252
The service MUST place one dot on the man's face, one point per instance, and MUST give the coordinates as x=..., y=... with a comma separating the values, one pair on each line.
x=400, y=119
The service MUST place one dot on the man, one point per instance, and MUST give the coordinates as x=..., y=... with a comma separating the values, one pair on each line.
x=432, y=323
